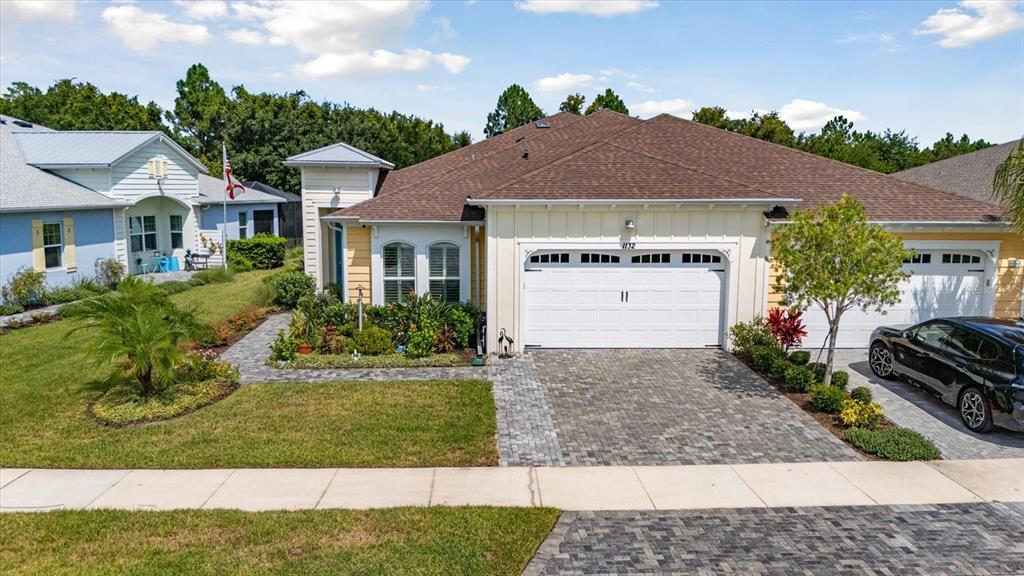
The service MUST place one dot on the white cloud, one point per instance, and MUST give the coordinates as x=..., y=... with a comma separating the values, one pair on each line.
x=604, y=8
x=959, y=27
x=444, y=30
x=808, y=115
x=345, y=38
x=246, y=36
x=432, y=88
x=884, y=40
x=562, y=83
x=639, y=86
x=674, y=106
x=743, y=114
x=143, y=31
x=453, y=63
x=33, y=10
x=204, y=9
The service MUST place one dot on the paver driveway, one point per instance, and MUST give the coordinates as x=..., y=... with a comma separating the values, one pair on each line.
x=656, y=407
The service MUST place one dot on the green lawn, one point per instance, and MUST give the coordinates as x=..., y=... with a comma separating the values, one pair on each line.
x=398, y=541
x=46, y=382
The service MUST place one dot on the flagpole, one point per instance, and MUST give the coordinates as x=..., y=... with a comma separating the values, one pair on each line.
x=224, y=203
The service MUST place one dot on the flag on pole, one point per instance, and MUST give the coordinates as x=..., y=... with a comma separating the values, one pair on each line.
x=230, y=186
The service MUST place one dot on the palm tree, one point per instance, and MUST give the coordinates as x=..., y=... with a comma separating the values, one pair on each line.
x=1008, y=186
x=140, y=329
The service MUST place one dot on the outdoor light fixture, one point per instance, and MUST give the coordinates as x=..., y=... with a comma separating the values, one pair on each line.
x=1014, y=263
x=630, y=225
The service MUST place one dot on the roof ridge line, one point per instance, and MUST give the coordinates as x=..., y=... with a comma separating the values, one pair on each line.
x=502, y=149
x=557, y=160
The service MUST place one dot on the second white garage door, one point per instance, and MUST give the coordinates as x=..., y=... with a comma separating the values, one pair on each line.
x=942, y=284
x=610, y=299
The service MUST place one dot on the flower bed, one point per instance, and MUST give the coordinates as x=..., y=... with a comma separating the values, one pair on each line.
x=326, y=333
x=853, y=416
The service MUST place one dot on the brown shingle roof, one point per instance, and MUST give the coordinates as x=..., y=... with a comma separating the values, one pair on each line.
x=968, y=175
x=607, y=155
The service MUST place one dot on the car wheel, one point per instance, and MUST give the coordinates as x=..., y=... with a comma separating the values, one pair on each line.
x=880, y=360
x=975, y=410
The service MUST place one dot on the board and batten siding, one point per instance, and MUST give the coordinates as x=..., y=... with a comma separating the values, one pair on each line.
x=324, y=190
x=689, y=227
x=357, y=263
x=130, y=177
x=1009, y=282
x=97, y=179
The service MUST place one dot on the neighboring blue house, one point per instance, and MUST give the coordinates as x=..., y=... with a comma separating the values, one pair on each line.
x=71, y=198
x=251, y=212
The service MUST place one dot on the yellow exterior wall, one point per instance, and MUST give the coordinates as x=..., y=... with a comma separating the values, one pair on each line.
x=1009, y=281
x=478, y=267
x=357, y=263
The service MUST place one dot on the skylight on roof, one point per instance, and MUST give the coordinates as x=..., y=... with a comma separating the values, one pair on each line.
x=542, y=124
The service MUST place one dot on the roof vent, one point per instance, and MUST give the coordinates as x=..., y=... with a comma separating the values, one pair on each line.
x=542, y=124
x=520, y=139
x=22, y=123
x=526, y=154
x=777, y=213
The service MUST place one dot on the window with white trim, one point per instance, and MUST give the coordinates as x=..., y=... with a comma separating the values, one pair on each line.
x=399, y=272
x=558, y=258
x=686, y=258
x=590, y=258
x=177, y=234
x=53, y=244
x=142, y=233
x=444, y=272
x=652, y=259
x=243, y=225
x=951, y=258
x=919, y=259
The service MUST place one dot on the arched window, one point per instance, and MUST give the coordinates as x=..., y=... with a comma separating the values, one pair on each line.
x=399, y=272
x=444, y=272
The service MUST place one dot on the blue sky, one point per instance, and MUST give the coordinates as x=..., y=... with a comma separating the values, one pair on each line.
x=927, y=67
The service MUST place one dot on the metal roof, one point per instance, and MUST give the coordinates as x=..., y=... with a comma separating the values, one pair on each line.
x=88, y=148
x=211, y=191
x=339, y=154
x=25, y=188
x=288, y=196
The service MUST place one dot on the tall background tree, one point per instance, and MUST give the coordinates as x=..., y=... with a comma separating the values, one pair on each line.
x=70, y=105
x=515, y=107
x=1008, y=186
x=834, y=259
x=200, y=112
x=610, y=100
x=573, y=103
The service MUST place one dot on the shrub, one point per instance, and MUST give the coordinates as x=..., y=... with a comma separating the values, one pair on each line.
x=897, y=444
x=293, y=261
x=212, y=276
x=283, y=348
x=25, y=288
x=138, y=328
x=290, y=287
x=786, y=326
x=332, y=342
x=122, y=404
x=857, y=414
x=840, y=379
x=109, y=271
x=818, y=369
x=764, y=356
x=827, y=399
x=240, y=264
x=390, y=360
x=421, y=343
x=800, y=357
x=8, y=309
x=264, y=251
x=779, y=367
x=747, y=335
x=174, y=286
x=462, y=326
x=799, y=379
x=372, y=341
x=861, y=394
x=66, y=294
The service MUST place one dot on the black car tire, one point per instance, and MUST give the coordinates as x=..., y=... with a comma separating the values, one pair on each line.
x=975, y=410
x=880, y=357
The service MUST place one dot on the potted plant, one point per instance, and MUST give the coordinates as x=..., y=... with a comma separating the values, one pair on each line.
x=303, y=330
x=305, y=348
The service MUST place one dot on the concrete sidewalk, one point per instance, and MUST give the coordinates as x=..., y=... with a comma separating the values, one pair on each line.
x=568, y=488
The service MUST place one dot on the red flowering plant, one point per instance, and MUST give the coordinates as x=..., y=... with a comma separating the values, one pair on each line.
x=786, y=326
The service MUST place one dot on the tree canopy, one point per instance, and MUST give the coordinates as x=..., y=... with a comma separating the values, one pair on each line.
x=70, y=105
x=610, y=100
x=515, y=107
x=573, y=103
x=887, y=151
x=834, y=259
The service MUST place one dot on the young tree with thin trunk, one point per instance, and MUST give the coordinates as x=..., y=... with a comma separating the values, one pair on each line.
x=834, y=259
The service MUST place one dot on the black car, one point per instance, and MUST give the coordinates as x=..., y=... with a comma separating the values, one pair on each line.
x=975, y=364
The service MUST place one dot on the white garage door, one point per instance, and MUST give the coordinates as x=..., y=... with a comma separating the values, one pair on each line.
x=942, y=283
x=623, y=299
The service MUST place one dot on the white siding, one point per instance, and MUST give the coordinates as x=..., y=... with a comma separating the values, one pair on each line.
x=131, y=180
x=324, y=190
x=740, y=232
x=97, y=179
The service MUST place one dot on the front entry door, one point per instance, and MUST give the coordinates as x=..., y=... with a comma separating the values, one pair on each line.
x=339, y=258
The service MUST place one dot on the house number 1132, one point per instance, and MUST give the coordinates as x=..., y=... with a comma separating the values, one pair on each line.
x=628, y=245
